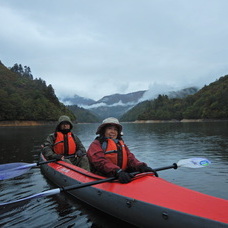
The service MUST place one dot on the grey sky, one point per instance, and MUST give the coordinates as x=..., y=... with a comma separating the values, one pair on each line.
x=99, y=47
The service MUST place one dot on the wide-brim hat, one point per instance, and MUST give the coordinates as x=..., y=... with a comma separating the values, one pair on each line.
x=109, y=121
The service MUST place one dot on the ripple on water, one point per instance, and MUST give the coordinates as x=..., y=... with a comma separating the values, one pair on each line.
x=156, y=144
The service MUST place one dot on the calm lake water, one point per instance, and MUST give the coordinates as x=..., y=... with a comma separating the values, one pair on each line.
x=157, y=144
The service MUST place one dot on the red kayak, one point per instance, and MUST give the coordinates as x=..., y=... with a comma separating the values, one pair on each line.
x=147, y=201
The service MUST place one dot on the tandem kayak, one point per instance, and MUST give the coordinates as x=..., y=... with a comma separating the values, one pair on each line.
x=147, y=201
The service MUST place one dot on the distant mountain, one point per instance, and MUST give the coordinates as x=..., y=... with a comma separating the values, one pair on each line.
x=107, y=111
x=77, y=100
x=129, y=98
x=117, y=104
x=83, y=115
x=210, y=102
x=113, y=105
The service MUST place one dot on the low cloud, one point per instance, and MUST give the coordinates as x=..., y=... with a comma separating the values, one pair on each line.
x=98, y=48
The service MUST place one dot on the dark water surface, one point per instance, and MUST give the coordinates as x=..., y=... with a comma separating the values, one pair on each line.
x=157, y=144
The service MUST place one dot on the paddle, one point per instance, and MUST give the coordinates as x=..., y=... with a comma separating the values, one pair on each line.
x=11, y=170
x=188, y=163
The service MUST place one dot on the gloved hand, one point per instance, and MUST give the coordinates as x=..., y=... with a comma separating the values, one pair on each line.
x=145, y=168
x=58, y=156
x=124, y=177
x=80, y=153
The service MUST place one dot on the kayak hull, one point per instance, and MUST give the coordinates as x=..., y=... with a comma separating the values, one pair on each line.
x=136, y=204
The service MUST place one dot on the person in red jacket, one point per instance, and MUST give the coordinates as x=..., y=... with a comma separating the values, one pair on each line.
x=109, y=156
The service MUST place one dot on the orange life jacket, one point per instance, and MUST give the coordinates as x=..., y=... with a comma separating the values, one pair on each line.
x=116, y=153
x=64, y=144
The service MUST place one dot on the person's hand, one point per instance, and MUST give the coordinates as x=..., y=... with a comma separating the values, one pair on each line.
x=145, y=168
x=58, y=157
x=124, y=177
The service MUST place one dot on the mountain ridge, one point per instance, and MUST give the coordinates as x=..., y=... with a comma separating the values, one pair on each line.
x=117, y=104
x=208, y=103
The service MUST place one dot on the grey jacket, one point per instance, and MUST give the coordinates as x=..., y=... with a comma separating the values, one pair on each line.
x=47, y=147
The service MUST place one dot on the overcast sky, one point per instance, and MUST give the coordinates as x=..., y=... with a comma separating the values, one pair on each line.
x=94, y=48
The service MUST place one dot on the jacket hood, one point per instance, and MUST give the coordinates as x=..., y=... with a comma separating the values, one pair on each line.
x=64, y=119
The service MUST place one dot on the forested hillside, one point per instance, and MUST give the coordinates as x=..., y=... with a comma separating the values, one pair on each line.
x=211, y=102
x=25, y=98
x=83, y=115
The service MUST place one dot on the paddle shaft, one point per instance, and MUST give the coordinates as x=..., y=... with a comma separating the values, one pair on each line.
x=68, y=188
x=12, y=170
x=54, y=160
x=58, y=190
x=173, y=166
x=77, y=186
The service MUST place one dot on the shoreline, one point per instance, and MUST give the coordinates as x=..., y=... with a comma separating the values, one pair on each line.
x=180, y=121
x=21, y=123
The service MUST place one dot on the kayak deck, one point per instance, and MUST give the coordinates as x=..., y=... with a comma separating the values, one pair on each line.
x=154, y=191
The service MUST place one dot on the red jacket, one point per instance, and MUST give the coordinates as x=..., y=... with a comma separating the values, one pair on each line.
x=101, y=165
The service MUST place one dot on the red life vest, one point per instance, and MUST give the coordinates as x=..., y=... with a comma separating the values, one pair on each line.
x=116, y=153
x=64, y=144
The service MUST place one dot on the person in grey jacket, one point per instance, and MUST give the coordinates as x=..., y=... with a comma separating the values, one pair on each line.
x=63, y=143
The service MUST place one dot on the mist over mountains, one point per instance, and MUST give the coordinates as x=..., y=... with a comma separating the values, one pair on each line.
x=77, y=100
x=24, y=98
x=117, y=104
